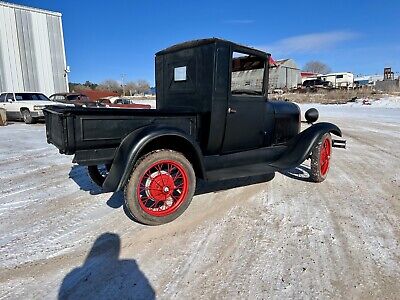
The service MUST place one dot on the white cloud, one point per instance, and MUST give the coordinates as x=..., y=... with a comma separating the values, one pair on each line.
x=309, y=43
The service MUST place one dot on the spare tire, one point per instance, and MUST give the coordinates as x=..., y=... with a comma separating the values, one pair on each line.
x=98, y=173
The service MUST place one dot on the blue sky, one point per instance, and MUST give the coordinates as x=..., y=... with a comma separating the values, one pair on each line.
x=104, y=39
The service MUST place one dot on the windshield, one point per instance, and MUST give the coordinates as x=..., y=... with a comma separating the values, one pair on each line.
x=77, y=97
x=30, y=97
x=247, y=74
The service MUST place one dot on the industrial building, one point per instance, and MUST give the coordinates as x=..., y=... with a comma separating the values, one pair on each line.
x=389, y=82
x=284, y=74
x=32, y=54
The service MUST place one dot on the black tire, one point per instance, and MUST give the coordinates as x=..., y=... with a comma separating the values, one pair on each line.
x=320, y=158
x=144, y=205
x=27, y=117
x=98, y=173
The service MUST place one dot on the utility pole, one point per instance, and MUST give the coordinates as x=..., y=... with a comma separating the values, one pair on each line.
x=123, y=84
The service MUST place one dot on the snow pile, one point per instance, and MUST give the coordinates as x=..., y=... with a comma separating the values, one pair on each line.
x=386, y=102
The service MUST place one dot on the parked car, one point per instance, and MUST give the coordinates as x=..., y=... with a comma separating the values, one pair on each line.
x=26, y=106
x=121, y=103
x=70, y=98
x=317, y=83
x=203, y=127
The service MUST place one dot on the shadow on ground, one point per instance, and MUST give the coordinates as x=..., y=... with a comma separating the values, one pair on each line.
x=301, y=173
x=80, y=175
x=104, y=276
x=204, y=187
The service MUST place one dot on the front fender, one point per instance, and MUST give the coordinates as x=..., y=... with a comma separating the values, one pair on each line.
x=299, y=148
x=128, y=153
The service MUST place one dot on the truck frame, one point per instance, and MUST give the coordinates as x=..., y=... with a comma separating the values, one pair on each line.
x=213, y=121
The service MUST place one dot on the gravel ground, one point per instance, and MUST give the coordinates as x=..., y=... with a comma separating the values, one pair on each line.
x=267, y=238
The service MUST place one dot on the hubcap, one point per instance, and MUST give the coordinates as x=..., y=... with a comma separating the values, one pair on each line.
x=325, y=156
x=162, y=188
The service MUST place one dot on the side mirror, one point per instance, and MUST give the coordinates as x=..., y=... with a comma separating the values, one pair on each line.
x=311, y=115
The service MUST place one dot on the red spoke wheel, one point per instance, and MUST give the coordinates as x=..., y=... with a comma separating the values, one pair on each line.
x=161, y=187
x=320, y=158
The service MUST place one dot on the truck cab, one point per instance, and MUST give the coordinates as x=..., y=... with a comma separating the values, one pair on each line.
x=213, y=121
x=227, y=84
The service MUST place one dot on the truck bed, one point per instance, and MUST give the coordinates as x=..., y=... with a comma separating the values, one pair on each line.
x=77, y=129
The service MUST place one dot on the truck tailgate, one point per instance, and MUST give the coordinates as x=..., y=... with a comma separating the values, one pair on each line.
x=57, y=129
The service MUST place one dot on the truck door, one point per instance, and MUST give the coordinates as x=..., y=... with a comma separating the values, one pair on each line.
x=244, y=127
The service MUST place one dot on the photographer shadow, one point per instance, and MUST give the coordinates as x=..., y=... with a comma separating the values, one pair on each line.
x=104, y=276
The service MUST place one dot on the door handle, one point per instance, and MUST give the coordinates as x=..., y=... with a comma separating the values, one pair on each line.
x=231, y=111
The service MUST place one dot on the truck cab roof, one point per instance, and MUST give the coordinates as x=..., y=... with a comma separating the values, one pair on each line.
x=196, y=76
x=207, y=41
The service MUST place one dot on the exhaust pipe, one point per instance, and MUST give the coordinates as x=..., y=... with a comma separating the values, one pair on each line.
x=339, y=144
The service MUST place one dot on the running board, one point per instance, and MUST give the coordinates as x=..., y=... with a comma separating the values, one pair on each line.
x=240, y=172
x=339, y=144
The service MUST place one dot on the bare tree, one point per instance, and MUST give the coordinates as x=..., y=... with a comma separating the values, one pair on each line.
x=142, y=86
x=78, y=87
x=317, y=67
x=131, y=87
x=110, y=85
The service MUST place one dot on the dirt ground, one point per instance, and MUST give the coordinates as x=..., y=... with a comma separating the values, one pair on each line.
x=269, y=238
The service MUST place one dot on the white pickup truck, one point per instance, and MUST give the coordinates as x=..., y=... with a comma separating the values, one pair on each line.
x=26, y=106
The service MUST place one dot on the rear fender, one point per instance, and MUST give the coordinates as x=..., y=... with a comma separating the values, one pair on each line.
x=130, y=149
x=299, y=148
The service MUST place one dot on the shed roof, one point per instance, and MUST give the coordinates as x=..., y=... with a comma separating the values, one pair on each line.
x=286, y=63
x=282, y=61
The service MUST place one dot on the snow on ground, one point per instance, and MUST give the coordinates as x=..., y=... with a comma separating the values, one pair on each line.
x=152, y=102
x=386, y=102
x=263, y=238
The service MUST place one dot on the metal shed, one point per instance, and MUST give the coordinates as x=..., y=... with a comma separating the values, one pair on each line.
x=284, y=74
x=32, y=54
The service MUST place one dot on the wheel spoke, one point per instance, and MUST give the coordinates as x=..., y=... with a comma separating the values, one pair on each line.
x=177, y=176
x=162, y=188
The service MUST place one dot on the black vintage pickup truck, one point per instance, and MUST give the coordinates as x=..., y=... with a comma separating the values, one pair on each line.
x=213, y=121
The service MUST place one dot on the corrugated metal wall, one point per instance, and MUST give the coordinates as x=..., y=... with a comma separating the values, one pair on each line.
x=285, y=76
x=32, y=55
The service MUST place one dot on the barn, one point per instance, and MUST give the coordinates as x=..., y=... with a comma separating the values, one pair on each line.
x=32, y=54
x=284, y=74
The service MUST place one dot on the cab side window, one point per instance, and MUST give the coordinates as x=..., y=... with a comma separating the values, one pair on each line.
x=10, y=96
x=3, y=97
x=247, y=74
